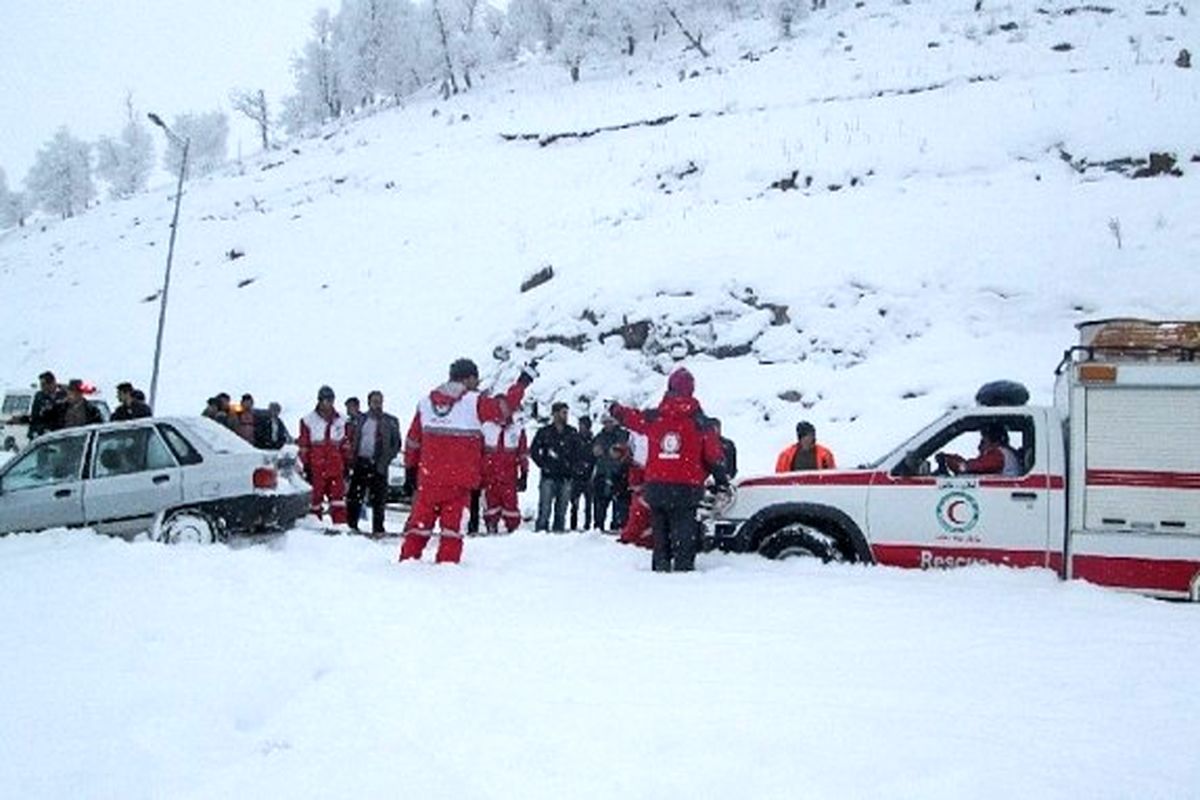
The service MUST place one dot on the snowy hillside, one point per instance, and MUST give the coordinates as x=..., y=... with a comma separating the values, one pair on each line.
x=937, y=237
x=857, y=226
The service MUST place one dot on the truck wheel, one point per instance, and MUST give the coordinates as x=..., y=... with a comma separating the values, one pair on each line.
x=188, y=526
x=796, y=540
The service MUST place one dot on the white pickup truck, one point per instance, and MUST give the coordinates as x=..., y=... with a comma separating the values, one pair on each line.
x=1107, y=490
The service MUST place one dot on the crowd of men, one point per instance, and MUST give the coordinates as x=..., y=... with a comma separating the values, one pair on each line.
x=642, y=474
x=56, y=406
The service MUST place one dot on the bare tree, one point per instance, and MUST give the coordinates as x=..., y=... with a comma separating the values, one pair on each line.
x=126, y=162
x=253, y=105
x=695, y=41
x=449, y=82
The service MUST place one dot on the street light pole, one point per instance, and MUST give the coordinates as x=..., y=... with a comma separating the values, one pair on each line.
x=162, y=306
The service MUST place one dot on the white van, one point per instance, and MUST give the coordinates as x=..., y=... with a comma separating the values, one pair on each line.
x=15, y=411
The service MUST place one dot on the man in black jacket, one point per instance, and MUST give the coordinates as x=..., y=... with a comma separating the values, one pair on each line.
x=376, y=442
x=269, y=431
x=610, y=487
x=44, y=415
x=581, y=482
x=555, y=450
x=129, y=408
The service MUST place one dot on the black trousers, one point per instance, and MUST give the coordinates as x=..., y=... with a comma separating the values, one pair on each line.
x=673, y=520
x=581, y=489
x=365, y=478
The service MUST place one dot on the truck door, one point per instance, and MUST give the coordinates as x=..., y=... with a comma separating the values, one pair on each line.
x=919, y=515
x=133, y=476
x=43, y=487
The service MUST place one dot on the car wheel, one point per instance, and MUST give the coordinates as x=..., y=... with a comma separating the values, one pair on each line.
x=795, y=540
x=188, y=526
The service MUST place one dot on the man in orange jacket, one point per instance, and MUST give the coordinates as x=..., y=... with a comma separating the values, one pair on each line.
x=805, y=453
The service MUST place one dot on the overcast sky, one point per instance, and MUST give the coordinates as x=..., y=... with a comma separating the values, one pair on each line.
x=71, y=62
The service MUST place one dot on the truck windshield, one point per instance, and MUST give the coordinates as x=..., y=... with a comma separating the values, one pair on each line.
x=908, y=444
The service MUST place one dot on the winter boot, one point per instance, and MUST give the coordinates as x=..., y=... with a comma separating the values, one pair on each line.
x=413, y=546
x=449, y=549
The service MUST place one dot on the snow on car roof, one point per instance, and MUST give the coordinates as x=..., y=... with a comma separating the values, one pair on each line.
x=215, y=436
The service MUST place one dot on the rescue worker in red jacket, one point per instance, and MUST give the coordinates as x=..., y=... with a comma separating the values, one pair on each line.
x=505, y=466
x=683, y=450
x=444, y=447
x=805, y=453
x=995, y=457
x=324, y=452
x=637, y=530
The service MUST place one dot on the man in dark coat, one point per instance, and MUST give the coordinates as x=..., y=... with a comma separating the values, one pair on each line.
x=610, y=481
x=376, y=442
x=684, y=451
x=581, y=483
x=555, y=450
x=130, y=407
x=77, y=411
x=269, y=431
x=44, y=415
x=729, y=449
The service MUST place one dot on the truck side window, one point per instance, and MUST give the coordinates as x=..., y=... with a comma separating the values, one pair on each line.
x=962, y=438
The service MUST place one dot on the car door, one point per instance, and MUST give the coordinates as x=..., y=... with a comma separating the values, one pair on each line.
x=132, y=477
x=43, y=488
x=919, y=518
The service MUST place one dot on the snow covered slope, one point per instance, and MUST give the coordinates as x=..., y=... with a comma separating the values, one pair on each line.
x=948, y=227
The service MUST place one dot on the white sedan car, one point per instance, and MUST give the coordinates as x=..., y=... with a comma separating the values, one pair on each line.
x=177, y=478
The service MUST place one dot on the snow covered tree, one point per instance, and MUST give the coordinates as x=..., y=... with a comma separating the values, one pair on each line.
x=14, y=206
x=253, y=105
x=60, y=180
x=532, y=27
x=209, y=136
x=125, y=163
x=471, y=42
x=787, y=14
x=581, y=35
x=318, y=97
x=372, y=44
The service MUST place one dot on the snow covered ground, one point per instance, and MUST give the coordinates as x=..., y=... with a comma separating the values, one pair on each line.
x=548, y=666
x=954, y=230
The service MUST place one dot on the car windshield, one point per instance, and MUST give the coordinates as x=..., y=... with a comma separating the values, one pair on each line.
x=218, y=438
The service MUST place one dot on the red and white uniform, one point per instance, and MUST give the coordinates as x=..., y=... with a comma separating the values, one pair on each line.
x=637, y=524
x=505, y=462
x=324, y=451
x=445, y=446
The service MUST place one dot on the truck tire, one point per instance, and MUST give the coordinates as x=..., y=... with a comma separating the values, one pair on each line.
x=797, y=540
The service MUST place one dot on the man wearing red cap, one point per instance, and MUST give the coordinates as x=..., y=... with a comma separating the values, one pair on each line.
x=684, y=449
x=444, y=447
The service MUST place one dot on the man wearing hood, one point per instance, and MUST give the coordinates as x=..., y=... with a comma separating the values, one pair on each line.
x=684, y=450
x=443, y=455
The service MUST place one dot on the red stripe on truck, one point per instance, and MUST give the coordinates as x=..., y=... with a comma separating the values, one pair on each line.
x=833, y=478
x=1143, y=479
x=1146, y=574
x=944, y=557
